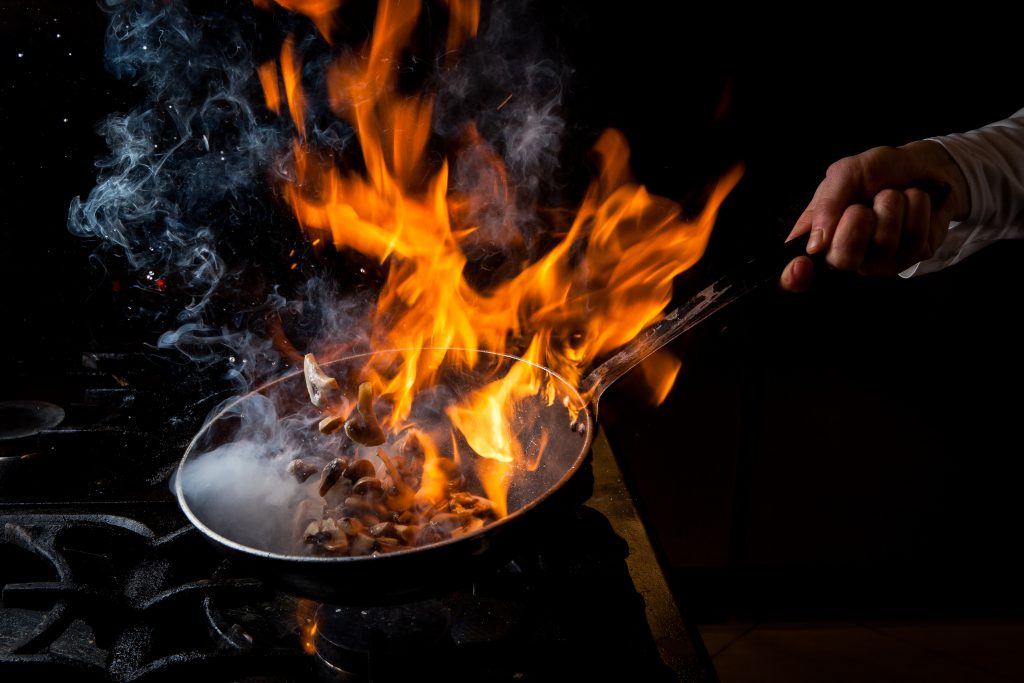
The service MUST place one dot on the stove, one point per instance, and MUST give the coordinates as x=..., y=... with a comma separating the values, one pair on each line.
x=104, y=579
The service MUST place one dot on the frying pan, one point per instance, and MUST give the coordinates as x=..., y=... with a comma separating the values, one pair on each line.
x=232, y=485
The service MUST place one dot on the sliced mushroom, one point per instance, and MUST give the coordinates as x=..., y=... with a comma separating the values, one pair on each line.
x=399, y=496
x=362, y=427
x=331, y=474
x=408, y=532
x=446, y=522
x=368, y=486
x=350, y=525
x=320, y=385
x=428, y=534
x=331, y=424
x=386, y=543
x=465, y=503
x=359, y=469
x=358, y=506
x=406, y=517
x=385, y=529
x=301, y=470
x=361, y=544
x=325, y=535
x=472, y=525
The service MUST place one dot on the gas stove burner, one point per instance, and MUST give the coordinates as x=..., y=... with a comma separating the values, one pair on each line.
x=19, y=419
x=388, y=643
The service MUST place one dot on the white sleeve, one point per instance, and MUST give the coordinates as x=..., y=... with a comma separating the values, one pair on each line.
x=992, y=161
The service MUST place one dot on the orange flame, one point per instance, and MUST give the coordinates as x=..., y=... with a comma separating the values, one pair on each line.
x=305, y=615
x=660, y=370
x=320, y=12
x=608, y=278
x=271, y=92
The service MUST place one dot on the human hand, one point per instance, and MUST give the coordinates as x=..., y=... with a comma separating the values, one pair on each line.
x=880, y=212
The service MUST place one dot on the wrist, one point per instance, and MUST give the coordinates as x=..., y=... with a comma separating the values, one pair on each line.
x=938, y=165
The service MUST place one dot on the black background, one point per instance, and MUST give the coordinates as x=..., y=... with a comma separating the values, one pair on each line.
x=851, y=449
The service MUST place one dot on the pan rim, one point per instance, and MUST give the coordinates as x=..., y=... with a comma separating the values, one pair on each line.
x=587, y=432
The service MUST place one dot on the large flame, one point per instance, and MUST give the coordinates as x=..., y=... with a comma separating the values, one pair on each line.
x=607, y=279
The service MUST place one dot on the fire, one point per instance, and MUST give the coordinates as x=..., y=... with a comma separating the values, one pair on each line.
x=305, y=616
x=660, y=370
x=608, y=278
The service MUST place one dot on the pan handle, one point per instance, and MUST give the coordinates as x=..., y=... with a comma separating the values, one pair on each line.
x=759, y=270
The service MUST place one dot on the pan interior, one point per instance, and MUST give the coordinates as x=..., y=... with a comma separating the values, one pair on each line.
x=234, y=484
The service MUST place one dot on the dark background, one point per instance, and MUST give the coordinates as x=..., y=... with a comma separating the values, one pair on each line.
x=850, y=451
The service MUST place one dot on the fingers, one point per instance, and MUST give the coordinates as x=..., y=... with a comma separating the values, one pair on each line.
x=797, y=275
x=839, y=189
x=895, y=232
x=802, y=225
x=916, y=228
x=867, y=215
x=853, y=236
x=889, y=207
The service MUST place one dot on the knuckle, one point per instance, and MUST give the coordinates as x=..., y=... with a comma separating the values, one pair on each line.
x=889, y=200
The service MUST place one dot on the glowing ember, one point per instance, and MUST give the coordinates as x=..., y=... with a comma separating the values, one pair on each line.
x=607, y=279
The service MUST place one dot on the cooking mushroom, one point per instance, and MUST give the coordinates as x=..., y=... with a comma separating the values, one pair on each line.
x=446, y=522
x=350, y=525
x=465, y=503
x=399, y=496
x=363, y=427
x=331, y=474
x=301, y=470
x=472, y=525
x=326, y=536
x=361, y=544
x=319, y=384
x=331, y=424
x=359, y=469
x=368, y=486
x=385, y=529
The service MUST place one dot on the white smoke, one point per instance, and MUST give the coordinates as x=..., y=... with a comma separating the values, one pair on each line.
x=188, y=189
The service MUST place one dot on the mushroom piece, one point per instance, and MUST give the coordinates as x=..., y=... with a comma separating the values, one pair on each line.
x=359, y=469
x=361, y=544
x=446, y=522
x=363, y=427
x=368, y=486
x=301, y=470
x=382, y=529
x=350, y=525
x=465, y=503
x=326, y=536
x=399, y=496
x=319, y=385
x=469, y=527
x=408, y=532
x=359, y=506
x=331, y=474
x=331, y=424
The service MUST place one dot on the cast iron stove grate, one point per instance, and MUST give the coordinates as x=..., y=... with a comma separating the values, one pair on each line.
x=104, y=579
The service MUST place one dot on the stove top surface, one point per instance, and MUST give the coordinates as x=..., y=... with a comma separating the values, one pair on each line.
x=104, y=579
